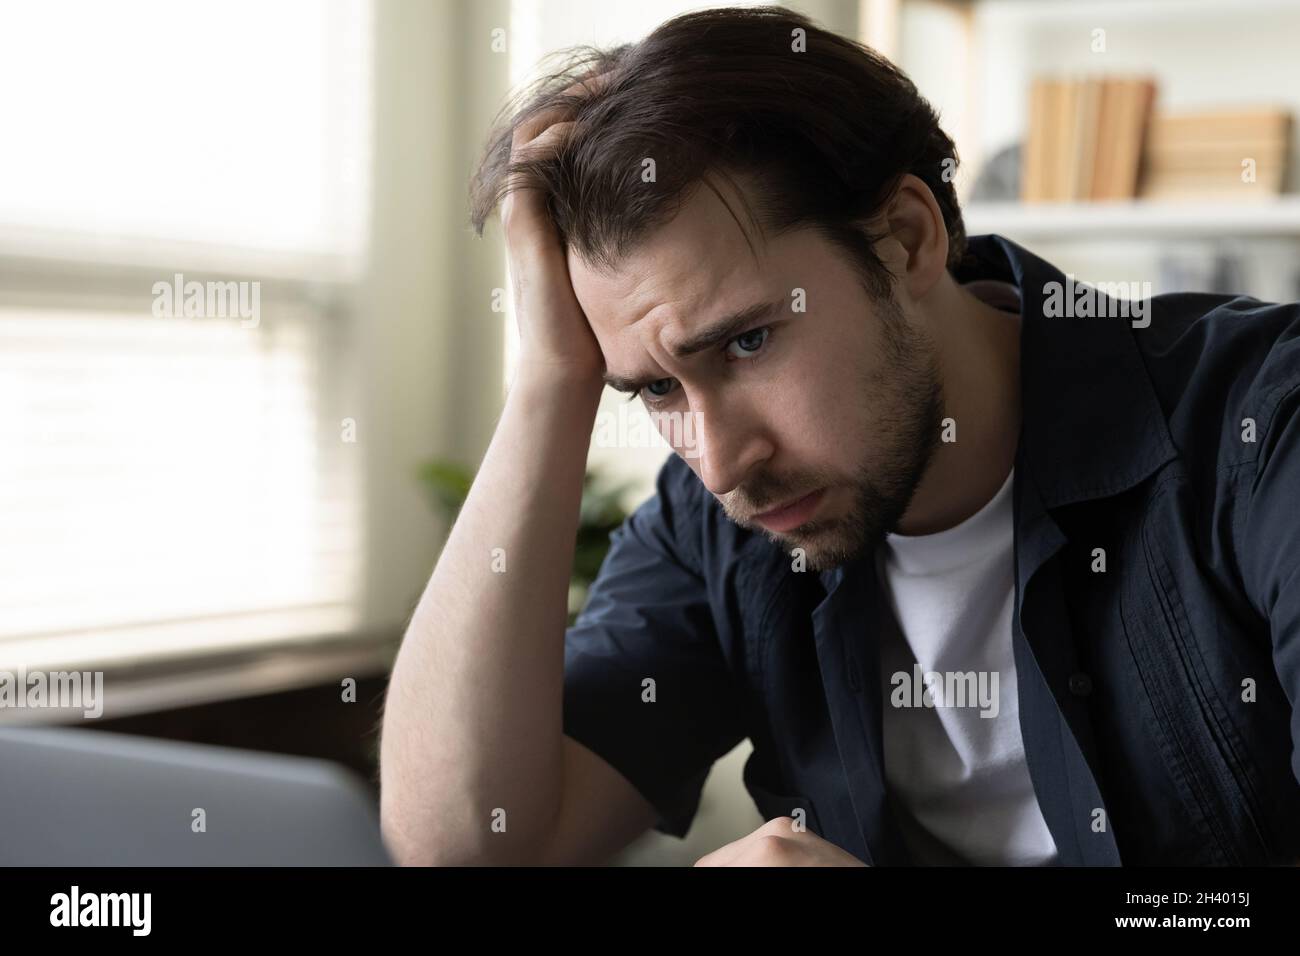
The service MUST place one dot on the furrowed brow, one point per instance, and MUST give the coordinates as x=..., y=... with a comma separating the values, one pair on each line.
x=715, y=334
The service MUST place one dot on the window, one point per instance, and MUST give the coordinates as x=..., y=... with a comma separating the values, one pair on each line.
x=175, y=473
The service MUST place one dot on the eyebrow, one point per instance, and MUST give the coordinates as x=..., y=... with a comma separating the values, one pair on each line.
x=720, y=331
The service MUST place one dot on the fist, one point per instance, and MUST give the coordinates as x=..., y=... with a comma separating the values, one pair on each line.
x=780, y=842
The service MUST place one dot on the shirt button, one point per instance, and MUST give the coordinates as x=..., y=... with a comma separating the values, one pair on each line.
x=1080, y=684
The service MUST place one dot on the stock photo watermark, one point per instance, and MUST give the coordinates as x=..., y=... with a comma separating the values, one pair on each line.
x=126, y=910
x=213, y=299
x=53, y=690
x=629, y=427
x=945, y=689
x=1102, y=300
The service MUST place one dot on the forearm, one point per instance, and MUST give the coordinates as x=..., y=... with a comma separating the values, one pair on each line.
x=473, y=722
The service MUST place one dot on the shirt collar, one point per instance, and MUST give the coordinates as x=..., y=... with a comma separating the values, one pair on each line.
x=1092, y=425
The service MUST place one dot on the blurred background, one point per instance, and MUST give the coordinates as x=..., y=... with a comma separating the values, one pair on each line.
x=230, y=509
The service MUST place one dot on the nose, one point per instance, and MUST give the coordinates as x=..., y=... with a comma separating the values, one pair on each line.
x=730, y=441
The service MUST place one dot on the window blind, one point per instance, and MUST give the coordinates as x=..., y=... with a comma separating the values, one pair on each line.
x=169, y=481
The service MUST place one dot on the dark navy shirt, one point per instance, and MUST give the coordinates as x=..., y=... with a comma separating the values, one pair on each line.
x=1157, y=696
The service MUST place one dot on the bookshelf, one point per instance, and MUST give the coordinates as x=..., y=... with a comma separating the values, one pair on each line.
x=976, y=61
x=1139, y=218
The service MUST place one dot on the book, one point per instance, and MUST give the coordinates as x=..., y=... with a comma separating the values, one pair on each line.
x=1085, y=137
x=1240, y=154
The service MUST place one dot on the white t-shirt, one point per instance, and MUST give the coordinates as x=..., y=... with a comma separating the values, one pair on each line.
x=957, y=772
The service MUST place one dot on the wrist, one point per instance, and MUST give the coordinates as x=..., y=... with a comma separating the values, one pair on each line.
x=543, y=377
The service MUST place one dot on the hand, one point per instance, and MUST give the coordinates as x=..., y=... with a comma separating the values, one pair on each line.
x=553, y=330
x=778, y=843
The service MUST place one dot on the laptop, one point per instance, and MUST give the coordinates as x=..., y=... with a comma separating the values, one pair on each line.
x=77, y=797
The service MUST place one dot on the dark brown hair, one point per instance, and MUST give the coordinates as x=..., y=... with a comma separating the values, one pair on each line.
x=823, y=135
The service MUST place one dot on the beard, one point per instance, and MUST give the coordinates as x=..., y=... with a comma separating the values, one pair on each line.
x=903, y=402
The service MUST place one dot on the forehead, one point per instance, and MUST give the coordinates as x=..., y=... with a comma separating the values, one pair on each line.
x=690, y=269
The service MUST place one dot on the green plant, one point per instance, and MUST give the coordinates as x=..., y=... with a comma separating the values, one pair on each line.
x=602, y=511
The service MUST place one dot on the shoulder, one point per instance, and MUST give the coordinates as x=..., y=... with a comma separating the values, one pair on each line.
x=1223, y=367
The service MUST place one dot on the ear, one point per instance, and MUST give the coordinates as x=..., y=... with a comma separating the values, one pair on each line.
x=915, y=247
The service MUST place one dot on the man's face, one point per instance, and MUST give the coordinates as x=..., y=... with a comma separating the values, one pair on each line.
x=830, y=392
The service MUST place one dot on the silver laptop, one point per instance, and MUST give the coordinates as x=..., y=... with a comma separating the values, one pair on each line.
x=76, y=797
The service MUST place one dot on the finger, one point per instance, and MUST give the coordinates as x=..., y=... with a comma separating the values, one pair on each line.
x=535, y=126
x=724, y=854
x=764, y=848
x=549, y=139
x=523, y=197
x=537, y=149
x=727, y=854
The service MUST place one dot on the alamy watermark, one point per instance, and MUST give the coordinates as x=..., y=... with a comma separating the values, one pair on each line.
x=61, y=690
x=132, y=911
x=208, y=300
x=1102, y=300
x=632, y=428
x=945, y=689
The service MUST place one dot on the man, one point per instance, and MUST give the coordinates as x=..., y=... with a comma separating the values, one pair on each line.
x=984, y=580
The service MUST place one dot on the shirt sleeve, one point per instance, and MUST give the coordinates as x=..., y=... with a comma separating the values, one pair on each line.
x=1272, y=558
x=646, y=685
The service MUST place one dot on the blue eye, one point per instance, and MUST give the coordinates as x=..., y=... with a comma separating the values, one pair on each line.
x=749, y=343
x=653, y=393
